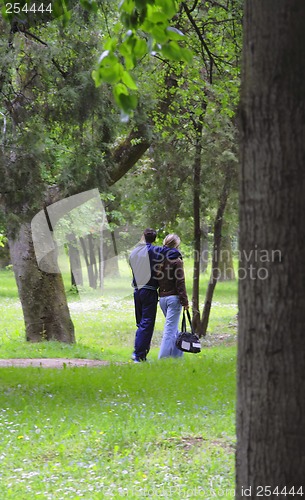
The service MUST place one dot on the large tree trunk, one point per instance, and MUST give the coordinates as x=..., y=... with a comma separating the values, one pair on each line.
x=42, y=294
x=271, y=345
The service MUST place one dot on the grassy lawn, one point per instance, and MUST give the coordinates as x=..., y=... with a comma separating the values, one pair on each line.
x=104, y=321
x=163, y=429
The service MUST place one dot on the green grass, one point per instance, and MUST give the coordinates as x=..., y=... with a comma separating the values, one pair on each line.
x=165, y=428
x=104, y=321
x=162, y=429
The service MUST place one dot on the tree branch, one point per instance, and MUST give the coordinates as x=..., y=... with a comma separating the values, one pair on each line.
x=35, y=37
x=199, y=34
x=126, y=155
x=61, y=71
x=213, y=2
x=194, y=6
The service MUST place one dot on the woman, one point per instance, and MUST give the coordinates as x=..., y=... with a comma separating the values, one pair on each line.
x=173, y=297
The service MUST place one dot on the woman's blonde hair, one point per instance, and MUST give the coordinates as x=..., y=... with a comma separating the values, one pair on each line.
x=171, y=241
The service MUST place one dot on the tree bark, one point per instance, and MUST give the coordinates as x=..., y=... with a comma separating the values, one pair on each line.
x=42, y=294
x=92, y=260
x=271, y=342
x=87, y=261
x=204, y=254
x=225, y=264
x=127, y=153
x=75, y=261
x=197, y=228
x=111, y=257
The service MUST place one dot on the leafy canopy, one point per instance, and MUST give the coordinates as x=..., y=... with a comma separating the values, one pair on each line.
x=143, y=28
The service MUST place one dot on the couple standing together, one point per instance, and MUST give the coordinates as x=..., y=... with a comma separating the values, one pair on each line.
x=157, y=268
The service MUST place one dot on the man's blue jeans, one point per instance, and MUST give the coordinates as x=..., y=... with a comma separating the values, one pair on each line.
x=146, y=301
x=171, y=308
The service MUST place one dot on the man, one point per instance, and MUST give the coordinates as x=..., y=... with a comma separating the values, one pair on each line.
x=144, y=260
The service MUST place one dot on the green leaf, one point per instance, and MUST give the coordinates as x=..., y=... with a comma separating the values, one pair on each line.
x=66, y=17
x=125, y=49
x=4, y=13
x=159, y=33
x=118, y=89
x=129, y=81
x=111, y=74
x=187, y=55
x=130, y=21
x=174, y=33
x=141, y=4
x=96, y=77
x=128, y=103
x=110, y=44
x=90, y=5
x=140, y=48
x=172, y=51
x=169, y=7
x=123, y=99
x=59, y=8
x=108, y=58
x=132, y=48
x=157, y=17
x=127, y=6
x=130, y=62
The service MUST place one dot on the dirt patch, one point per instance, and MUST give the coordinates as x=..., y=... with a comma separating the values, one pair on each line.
x=214, y=339
x=189, y=442
x=51, y=362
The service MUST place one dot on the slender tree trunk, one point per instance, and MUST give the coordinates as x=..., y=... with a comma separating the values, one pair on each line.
x=101, y=261
x=87, y=261
x=75, y=261
x=216, y=253
x=225, y=264
x=204, y=254
x=42, y=294
x=116, y=271
x=271, y=345
x=92, y=260
x=111, y=260
x=197, y=228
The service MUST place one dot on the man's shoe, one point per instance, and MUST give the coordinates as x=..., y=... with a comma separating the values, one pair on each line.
x=135, y=359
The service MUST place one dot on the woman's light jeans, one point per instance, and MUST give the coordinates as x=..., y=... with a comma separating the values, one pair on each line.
x=171, y=309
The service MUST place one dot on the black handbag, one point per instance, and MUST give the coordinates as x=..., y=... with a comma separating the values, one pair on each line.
x=186, y=341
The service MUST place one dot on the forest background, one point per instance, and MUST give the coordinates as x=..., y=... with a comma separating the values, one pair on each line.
x=172, y=166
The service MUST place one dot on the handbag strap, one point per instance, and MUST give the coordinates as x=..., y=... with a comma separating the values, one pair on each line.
x=183, y=324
